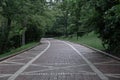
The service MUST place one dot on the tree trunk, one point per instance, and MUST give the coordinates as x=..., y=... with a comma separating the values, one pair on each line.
x=6, y=35
x=66, y=23
x=24, y=23
x=23, y=38
x=77, y=35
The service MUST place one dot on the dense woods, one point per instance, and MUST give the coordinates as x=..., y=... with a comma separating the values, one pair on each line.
x=25, y=21
x=20, y=22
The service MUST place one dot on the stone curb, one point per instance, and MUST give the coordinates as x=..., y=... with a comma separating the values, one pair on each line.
x=105, y=53
x=20, y=52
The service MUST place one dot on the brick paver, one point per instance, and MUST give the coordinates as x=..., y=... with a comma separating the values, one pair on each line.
x=60, y=62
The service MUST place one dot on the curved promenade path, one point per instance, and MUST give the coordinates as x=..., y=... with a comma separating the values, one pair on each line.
x=60, y=60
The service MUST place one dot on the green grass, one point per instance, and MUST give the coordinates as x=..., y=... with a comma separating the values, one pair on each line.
x=18, y=49
x=90, y=40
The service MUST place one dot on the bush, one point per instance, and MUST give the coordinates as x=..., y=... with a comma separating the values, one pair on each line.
x=33, y=34
x=112, y=29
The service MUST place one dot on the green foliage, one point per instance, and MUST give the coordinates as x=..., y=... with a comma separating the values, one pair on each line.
x=57, y=20
x=14, y=51
x=28, y=20
x=83, y=16
x=111, y=35
x=89, y=39
x=23, y=21
x=103, y=18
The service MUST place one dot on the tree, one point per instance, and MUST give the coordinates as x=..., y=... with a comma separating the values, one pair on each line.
x=101, y=19
x=111, y=35
x=9, y=9
x=18, y=17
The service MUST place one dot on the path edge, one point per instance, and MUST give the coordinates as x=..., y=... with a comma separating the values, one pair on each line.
x=105, y=53
x=94, y=49
x=20, y=52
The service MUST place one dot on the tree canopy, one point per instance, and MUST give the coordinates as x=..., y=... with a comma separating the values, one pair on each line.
x=24, y=21
x=83, y=16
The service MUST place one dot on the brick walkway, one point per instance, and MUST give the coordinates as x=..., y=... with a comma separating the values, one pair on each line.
x=59, y=60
